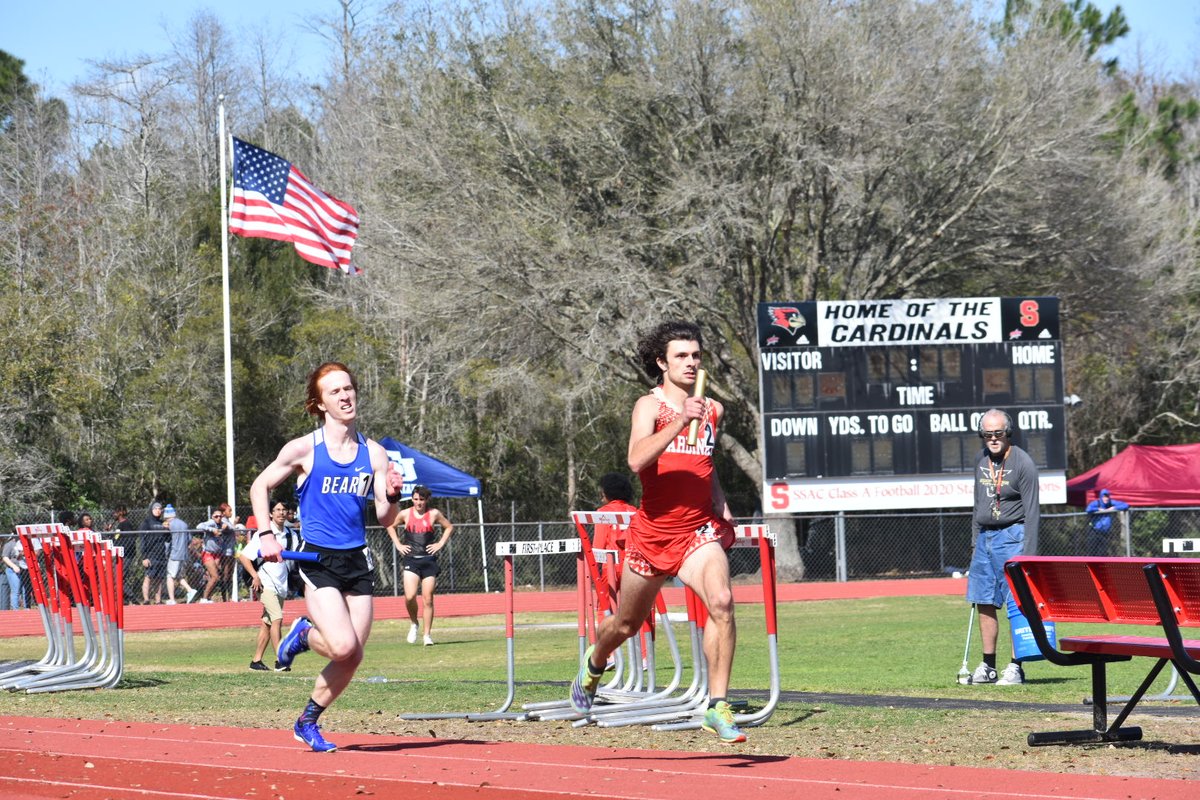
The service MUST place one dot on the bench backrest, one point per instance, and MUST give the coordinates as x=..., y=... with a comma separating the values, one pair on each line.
x=1083, y=589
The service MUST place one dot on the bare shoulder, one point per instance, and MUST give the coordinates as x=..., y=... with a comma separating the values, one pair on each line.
x=646, y=404
x=297, y=450
x=377, y=454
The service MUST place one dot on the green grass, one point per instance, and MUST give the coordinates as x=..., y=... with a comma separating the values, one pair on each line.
x=910, y=646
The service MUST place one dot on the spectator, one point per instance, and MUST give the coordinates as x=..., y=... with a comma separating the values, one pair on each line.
x=229, y=545
x=67, y=519
x=153, y=544
x=178, y=556
x=616, y=492
x=121, y=525
x=13, y=556
x=216, y=530
x=1100, y=516
x=1006, y=513
x=419, y=549
x=270, y=578
x=292, y=520
x=86, y=523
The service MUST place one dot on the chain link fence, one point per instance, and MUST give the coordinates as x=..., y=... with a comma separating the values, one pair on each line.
x=831, y=548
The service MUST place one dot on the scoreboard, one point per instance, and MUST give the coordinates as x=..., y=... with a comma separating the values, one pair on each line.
x=875, y=404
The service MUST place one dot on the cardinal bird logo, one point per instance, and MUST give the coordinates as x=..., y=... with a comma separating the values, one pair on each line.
x=787, y=317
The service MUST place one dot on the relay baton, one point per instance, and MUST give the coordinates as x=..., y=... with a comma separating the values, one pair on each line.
x=697, y=391
x=299, y=555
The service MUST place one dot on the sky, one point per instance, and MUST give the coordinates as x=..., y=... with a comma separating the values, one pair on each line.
x=55, y=38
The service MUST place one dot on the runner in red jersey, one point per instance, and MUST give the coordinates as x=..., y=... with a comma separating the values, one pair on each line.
x=683, y=525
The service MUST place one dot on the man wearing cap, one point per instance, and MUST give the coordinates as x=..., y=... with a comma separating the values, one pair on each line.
x=180, y=540
x=1100, y=515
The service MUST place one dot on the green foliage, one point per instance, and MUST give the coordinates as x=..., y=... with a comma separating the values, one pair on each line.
x=1077, y=21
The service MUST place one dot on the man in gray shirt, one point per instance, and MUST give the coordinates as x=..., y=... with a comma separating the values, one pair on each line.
x=181, y=538
x=1005, y=515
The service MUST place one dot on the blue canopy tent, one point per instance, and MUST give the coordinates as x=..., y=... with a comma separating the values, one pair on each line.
x=443, y=480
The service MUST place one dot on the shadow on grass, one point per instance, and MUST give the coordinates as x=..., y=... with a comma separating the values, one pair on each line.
x=140, y=683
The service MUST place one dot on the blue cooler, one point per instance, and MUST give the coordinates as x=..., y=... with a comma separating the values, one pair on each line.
x=1024, y=645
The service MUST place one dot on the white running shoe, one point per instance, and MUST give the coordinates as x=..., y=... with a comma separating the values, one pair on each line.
x=191, y=595
x=428, y=640
x=412, y=634
x=204, y=600
x=1013, y=675
x=982, y=674
x=169, y=603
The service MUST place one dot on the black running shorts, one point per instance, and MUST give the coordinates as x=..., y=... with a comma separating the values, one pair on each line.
x=348, y=571
x=423, y=567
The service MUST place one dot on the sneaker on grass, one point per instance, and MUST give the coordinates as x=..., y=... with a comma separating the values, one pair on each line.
x=412, y=634
x=1013, y=675
x=428, y=640
x=294, y=643
x=258, y=665
x=310, y=734
x=982, y=674
x=719, y=720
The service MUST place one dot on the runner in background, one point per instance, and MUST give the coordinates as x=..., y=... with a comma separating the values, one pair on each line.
x=419, y=547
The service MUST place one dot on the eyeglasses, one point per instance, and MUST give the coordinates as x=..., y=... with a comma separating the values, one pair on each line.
x=992, y=434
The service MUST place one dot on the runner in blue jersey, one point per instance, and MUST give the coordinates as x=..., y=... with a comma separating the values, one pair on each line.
x=337, y=470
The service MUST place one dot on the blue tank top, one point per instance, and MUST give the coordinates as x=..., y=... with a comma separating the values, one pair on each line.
x=333, y=498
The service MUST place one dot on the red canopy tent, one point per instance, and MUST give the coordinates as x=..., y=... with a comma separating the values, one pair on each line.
x=1143, y=475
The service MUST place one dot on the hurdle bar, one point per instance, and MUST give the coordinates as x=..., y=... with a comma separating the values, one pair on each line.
x=93, y=585
x=508, y=551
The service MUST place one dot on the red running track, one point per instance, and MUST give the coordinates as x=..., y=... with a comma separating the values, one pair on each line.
x=91, y=760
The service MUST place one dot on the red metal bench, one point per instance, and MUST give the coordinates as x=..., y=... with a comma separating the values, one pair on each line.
x=1162, y=592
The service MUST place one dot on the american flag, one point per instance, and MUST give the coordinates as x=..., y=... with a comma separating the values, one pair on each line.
x=273, y=200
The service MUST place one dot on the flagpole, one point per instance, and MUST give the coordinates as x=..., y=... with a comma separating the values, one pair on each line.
x=230, y=484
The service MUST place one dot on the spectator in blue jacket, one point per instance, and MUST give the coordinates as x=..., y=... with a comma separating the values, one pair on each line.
x=1100, y=516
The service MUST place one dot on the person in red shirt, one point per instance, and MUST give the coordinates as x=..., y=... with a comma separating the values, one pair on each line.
x=683, y=526
x=616, y=493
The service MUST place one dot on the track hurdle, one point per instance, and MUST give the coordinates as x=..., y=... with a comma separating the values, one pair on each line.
x=637, y=656
x=84, y=573
x=687, y=712
x=508, y=551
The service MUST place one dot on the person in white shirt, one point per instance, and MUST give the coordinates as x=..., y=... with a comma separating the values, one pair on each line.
x=270, y=579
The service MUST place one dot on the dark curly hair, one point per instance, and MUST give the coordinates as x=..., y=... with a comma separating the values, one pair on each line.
x=653, y=345
x=616, y=487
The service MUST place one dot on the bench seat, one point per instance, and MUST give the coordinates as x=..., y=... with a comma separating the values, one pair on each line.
x=1149, y=646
